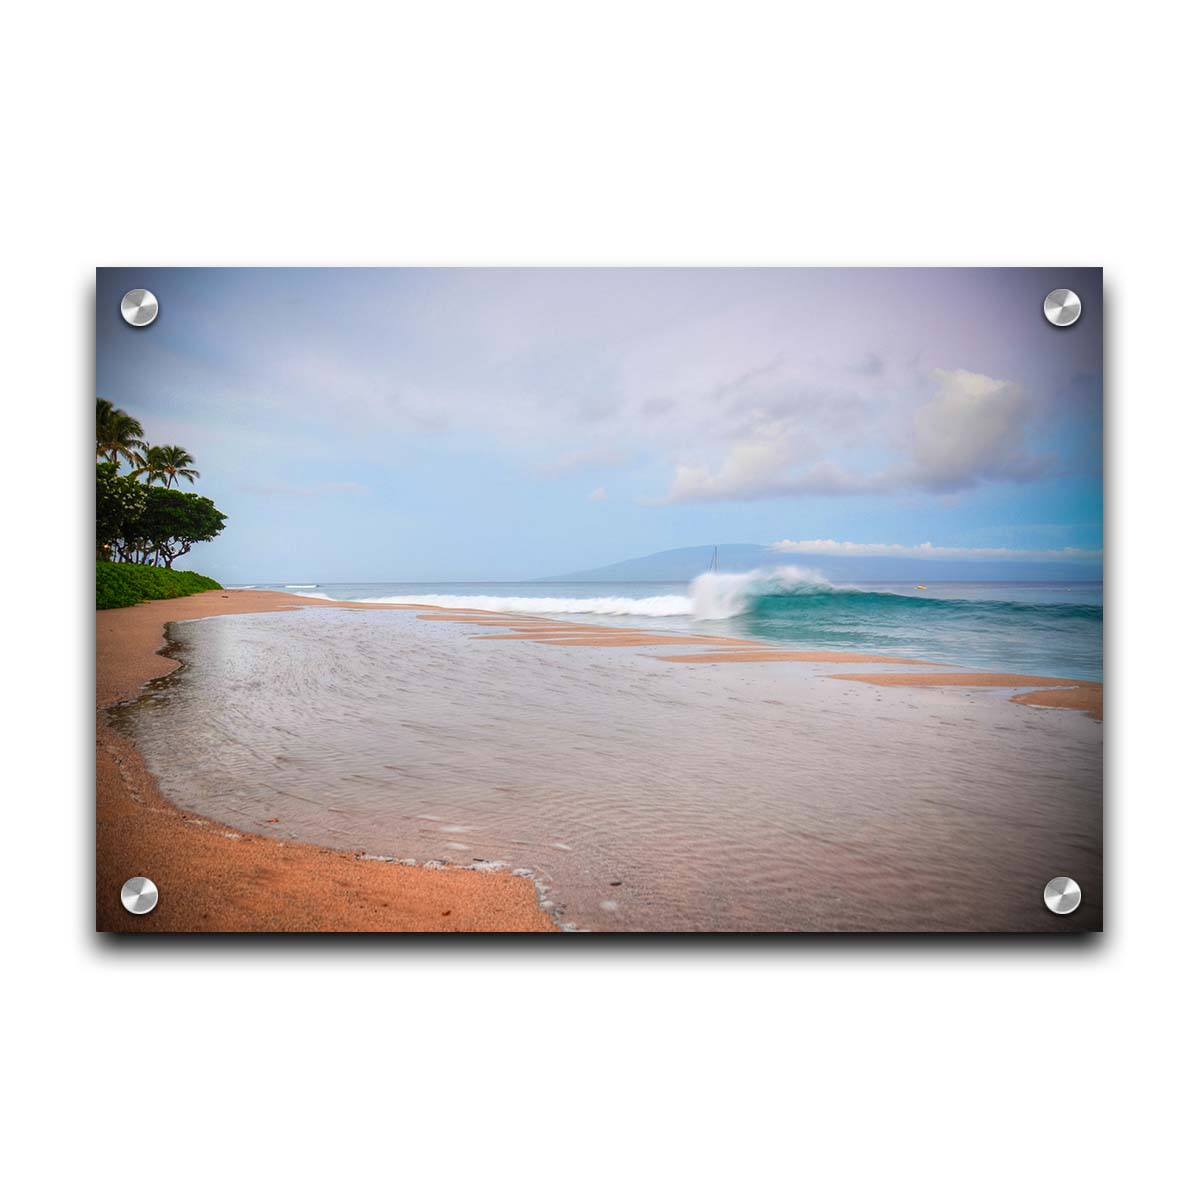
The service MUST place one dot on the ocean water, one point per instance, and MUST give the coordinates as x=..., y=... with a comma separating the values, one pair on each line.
x=639, y=794
x=1029, y=628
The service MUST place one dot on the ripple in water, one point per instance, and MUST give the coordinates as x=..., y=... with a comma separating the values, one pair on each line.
x=639, y=794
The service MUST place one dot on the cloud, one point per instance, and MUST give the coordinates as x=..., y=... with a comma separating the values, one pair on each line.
x=868, y=364
x=749, y=470
x=927, y=550
x=599, y=494
x=657, y=406
x=758, y=470
x=686, y=386
x=974, y=429
x=316, y=489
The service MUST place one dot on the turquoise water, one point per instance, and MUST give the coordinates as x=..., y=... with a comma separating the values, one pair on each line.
x=1042, y=629
x=1034, y=628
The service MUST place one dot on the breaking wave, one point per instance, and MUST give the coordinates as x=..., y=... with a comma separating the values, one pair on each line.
x=718, y=597
x=795, y=604
x=711, y=597
x=606, y=606
x=798, y=593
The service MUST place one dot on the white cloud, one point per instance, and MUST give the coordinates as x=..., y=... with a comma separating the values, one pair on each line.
x=927, y=550
x=761, y=469
x=703, y=375
x=751, y=470
x=972, y=430
x=599, y=494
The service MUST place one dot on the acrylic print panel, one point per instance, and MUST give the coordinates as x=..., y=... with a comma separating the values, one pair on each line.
x=599, y=600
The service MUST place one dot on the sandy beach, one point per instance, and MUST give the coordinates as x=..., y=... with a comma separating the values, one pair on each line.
x=1047, y=692
x=1082, y=695
x=215, y=879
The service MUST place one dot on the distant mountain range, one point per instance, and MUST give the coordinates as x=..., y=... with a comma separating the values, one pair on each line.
x=684, y=563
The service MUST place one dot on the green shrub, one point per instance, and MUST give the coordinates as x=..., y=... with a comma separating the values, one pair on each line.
x=121, y=584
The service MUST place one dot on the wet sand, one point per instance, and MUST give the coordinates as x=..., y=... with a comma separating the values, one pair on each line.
x=214, y=879
x=766, y=654
x=638, y=794
x=1081, y=695
x=615, y=638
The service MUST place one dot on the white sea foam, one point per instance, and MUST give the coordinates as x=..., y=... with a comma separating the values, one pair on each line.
x=717, y=597
x=613, y=606
x=712, y=596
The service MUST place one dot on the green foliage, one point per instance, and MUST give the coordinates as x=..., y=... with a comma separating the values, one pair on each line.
x=120, y=501
x=166, y=465
x=121, y=584
x=171, y=523
x=118, y=435
x=137, y=523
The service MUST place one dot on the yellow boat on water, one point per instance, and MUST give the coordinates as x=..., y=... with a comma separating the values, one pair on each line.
x=921, y=587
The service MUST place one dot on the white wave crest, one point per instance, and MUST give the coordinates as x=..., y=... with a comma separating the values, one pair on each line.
x=711, y=597
x=607, y=606
x=717, y=597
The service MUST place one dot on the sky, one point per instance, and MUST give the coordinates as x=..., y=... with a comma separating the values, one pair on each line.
x=503, y=424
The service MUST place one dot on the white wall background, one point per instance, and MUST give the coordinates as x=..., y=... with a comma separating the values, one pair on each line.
x=601, y=133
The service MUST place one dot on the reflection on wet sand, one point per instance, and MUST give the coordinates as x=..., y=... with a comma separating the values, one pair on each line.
x=641, y=791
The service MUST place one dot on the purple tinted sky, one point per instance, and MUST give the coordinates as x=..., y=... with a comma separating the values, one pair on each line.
x=504, y=424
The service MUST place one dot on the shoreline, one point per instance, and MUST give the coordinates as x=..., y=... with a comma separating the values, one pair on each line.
x=215, y=879
x=1079, y=695
x=1050, y=692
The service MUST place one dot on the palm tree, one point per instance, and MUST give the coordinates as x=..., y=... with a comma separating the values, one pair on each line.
x=147, y=465
x=118, y=435
x=167, y=464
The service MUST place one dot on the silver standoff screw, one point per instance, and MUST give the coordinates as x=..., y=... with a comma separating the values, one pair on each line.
x=139, y=895
x=1062, y=895
x=139, y=307
x=1062, y=307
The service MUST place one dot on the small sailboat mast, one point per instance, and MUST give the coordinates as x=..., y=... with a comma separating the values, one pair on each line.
x=712, y=566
